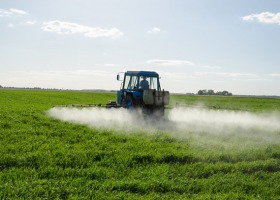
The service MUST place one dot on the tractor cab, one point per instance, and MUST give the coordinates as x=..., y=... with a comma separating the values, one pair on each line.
x=141, y=90
x=133, y=86
x=140, y=80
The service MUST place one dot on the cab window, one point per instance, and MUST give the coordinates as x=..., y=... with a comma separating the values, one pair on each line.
x=153, y=82
x=130, y=82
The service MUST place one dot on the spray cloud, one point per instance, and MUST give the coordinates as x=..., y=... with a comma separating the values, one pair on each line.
x=203, y=126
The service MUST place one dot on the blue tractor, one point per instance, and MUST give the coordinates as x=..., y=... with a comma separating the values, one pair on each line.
x=141, y=90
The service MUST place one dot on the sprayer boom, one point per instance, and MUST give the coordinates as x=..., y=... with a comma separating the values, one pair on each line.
x=110, y=104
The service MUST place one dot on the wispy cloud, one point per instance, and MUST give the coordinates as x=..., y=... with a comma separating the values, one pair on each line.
x=10, y=25
x=227, y=74
x=18, y=12
x=264, y=17
x=64, y=28
x=31, y=22
x=110, y=65
x=12, y=12
x=154, y=30
x=169, y=62
x=275, y=75
x=176, y=76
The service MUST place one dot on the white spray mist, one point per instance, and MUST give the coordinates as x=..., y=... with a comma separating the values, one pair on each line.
x=200, y=125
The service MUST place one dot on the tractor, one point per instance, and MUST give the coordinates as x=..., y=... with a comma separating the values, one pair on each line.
x=141, y=90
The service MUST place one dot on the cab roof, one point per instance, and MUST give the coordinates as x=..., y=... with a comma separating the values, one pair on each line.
x=142, y=73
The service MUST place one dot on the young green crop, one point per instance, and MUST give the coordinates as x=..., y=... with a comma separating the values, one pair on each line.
x=252, y=104
x=44, y=158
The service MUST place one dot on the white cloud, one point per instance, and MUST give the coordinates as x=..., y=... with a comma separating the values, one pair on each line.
x=17, y=11
x=31, y=22
x=170, y=62
x=264, y=17
x=176, y=76
x=10, y=25
x=211, y=67
x=154, y=30
x=274, y=75
x=227, y=74
x=248, y=18
x=110, y=65
x=64, y=28
x=12, y=12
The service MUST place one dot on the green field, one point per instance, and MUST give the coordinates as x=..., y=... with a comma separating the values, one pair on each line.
x=45, y=158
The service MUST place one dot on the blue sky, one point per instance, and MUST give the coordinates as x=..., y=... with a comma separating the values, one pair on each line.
x=193, y=44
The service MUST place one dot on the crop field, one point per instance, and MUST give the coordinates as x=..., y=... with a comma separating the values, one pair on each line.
x=207, y=147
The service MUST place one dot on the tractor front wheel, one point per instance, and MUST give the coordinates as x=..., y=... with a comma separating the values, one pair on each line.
x=127, y=101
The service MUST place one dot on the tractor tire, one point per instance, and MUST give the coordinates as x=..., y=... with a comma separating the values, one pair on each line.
x=127, y=101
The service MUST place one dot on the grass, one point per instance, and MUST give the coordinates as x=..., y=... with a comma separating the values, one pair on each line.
x=44, y=158
x=252, y=104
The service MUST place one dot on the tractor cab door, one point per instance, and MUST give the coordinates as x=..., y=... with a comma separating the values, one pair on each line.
x=130, y=82
x=130, y=95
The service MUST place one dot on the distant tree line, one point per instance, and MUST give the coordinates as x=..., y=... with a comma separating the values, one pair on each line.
x=212, y=92
x=38, y=88
x=26, y=88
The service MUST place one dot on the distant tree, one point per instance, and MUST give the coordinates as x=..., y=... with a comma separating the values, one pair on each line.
x=200, y=92
x=211, y=92
x=1, y=86
x=224, y=93
x=205, y=92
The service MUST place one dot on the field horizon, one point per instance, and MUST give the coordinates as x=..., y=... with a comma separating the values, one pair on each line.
x=96, y=90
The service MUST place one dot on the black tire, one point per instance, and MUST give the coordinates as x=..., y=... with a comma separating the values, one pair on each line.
x=127, y=101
